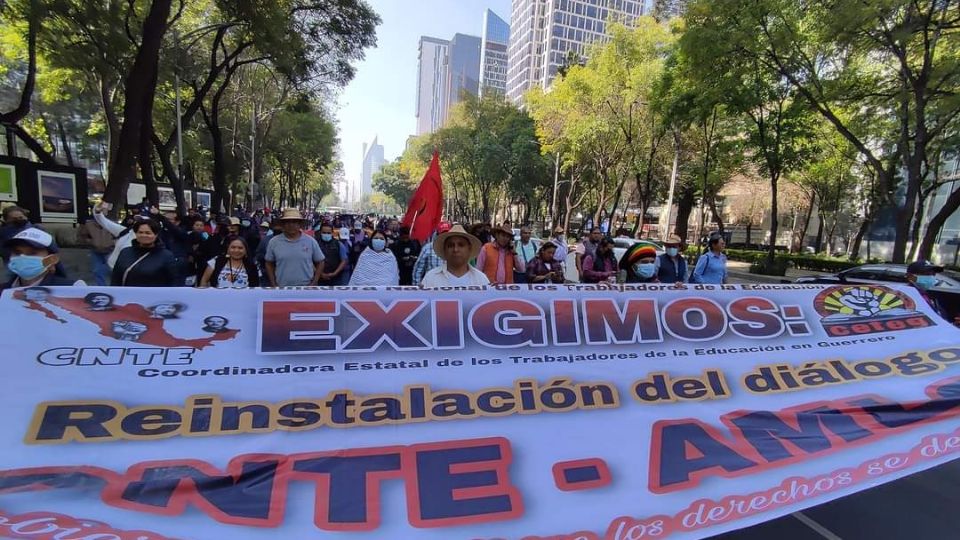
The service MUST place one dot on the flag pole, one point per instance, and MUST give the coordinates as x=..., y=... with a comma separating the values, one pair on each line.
x=413, y=222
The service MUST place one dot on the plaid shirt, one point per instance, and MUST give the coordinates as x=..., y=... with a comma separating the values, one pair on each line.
x=427, y=261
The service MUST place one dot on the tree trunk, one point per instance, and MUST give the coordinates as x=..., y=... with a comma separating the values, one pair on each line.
x=139, y=86
x=863, y=230
x=806, y=221
x=917, y=225
x=63, y=142
x=831, y=233
x=616, y=204
x=818, y=241
x=749, y=233
x=170, y=172
x=33, y=144
x=936, y=224
x=219, y=170
x=26, y=93
x=113, y=123
x=684, y=208
x=721, y=228
x=774, y=219
x=904, y=214
x=145, y=150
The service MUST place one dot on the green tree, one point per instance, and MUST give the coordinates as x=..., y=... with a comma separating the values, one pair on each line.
x=394, y=182
x=777, y=121
x=706, y=136
x=400, y=178
x=299, y=150
x=123, y=57
x=486, y=145
x=884, y=74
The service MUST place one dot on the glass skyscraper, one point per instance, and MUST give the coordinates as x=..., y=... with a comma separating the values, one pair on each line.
x=431, y=80
x=372, y=162
x=493, y=54
x=446, y=70
x=544, y=32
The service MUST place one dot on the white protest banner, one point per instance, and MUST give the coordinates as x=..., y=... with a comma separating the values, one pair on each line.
x=515, y=412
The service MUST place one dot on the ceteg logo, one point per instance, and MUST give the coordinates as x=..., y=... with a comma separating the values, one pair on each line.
x=867, y=309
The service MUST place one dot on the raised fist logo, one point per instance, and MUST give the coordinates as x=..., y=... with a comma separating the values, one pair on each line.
x=128, y=330
x=863, y=302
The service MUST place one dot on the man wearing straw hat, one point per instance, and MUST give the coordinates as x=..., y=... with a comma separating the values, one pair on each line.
x=293, y=258
x=671, y=266
x=456, y=247
x=497, y=259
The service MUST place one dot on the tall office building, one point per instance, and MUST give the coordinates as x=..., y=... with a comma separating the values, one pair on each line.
x=372, y=161
x=446, y=70
x=463, y=69
x=493, y=54
x=431, y=81
x=543, y=32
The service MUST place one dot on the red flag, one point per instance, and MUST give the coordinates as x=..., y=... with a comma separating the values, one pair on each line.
x=426, y=205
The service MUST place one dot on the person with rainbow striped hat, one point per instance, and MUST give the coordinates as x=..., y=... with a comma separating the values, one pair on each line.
x=640, y=264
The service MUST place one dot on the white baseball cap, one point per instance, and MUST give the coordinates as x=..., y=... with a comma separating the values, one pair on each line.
x=35, y=237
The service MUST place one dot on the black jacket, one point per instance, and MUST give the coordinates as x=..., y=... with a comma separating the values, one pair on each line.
x=174, y=238
x=50, y=280
x=157, y=269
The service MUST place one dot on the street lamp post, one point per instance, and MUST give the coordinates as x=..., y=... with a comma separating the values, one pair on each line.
x=176, y=87
x=673, y=179
x=253, y=154
x=556, y=183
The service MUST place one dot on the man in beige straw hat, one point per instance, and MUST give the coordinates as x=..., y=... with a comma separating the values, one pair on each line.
x=293, y=258
x=671, y=266
x=456, y=247
x=497, y=259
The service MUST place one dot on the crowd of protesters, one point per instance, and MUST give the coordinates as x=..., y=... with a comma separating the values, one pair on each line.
x=150, y=248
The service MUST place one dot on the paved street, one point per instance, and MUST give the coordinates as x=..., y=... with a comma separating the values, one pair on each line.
x=919, y=507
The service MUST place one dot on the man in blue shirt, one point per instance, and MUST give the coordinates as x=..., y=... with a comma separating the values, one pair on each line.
x=712, y=265
x=671, y=266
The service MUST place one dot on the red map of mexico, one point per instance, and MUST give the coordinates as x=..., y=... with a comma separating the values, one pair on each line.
x=129, y=322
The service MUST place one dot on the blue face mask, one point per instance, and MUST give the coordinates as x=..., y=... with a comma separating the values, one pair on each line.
x=645, y=270
x=27, y=266
x=673, y=251
x=378, y=244
x=924, y=282
x=326, y=237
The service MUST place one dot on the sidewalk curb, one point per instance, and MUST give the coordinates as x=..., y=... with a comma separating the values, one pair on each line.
x=757, y=278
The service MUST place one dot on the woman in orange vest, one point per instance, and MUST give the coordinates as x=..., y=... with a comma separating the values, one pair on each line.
x=498, y=260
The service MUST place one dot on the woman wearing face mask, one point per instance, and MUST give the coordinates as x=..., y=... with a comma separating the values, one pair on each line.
x=671, y=266
x=146, y=263
x=376, y=265
x=640, y=264
x=235, y=270
x=601, y=265
x=14, y=222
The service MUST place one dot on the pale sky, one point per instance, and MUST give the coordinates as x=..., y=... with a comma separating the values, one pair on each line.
x=380, y=99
